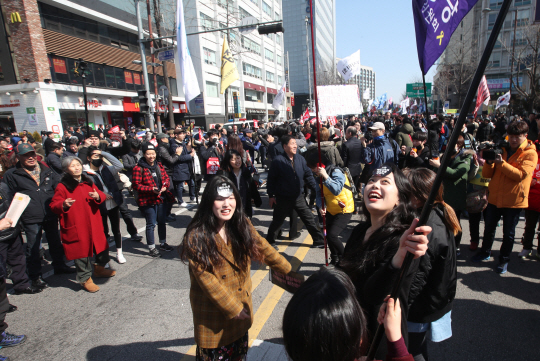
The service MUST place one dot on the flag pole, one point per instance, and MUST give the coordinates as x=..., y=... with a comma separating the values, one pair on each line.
x=318, y=125
x=428, y=206
x=427, y=115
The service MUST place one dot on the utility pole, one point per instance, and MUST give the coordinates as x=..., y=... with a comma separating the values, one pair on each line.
x=158, y=119
x=308, y=71
x=288, y=79
x=226, y=93
x=149, y=116
x=513, y=54
x=157, y=19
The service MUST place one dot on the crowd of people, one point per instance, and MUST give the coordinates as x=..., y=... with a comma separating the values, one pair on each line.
x=381, y=166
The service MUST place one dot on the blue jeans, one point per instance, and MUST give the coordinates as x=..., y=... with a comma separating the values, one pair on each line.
x=179, y=187
x=157, y=212
x=492, y=216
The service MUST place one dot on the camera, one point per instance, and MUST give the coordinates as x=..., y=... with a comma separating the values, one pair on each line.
x=491, y=150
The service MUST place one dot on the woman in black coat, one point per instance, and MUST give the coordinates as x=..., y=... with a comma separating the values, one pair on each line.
x=377, y=247
x=234, y=168
x=433, y=288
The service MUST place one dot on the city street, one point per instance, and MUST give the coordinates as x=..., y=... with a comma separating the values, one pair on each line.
x=144, y=312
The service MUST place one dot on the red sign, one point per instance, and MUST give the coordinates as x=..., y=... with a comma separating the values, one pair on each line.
x=256, y=87
x=137, y=78
x=93, y=103
x=59, y=65
x=255, y=123
x=129, y=78
x=292, y=101
x=129, y=106
x=271, y=91
x=56, y=129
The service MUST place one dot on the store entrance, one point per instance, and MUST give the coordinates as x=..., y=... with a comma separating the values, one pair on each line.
x=7, y=122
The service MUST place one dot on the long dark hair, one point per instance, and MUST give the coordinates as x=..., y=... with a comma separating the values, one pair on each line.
x=323, y=320
x=421, y=180
x=386, y=238
x=226, y=162
x=234, y=142
x=199, y=245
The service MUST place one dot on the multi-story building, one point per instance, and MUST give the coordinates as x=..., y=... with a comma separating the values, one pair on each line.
x=365, y=80
x=468, y=43
x=39, y=89
x=259, y=58
x=296, y=17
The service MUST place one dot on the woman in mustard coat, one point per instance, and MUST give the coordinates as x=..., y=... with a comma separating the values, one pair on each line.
x=219, y=244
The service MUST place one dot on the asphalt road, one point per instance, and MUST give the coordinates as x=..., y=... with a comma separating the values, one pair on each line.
x=144, y=313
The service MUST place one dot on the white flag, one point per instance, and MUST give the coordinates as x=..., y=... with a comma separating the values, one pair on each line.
x=279, y=97
x=349, y=66
x=404, y=105
x=502, y=101
x=189, y=77
x=367, y=94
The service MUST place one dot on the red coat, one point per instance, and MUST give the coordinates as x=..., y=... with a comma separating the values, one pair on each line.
x=81, y=227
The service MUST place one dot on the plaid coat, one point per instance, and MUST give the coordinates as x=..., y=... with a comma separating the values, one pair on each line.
x=219, y=296
x=143, y=184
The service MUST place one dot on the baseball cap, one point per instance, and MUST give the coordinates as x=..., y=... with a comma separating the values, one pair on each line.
x=377, y=126
x=24, y=148
x=147, y=146
x=161, y=136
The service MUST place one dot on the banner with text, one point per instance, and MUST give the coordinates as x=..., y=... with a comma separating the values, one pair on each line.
x=339, y=100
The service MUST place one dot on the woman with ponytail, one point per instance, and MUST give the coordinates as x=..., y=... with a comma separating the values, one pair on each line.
x=433, y=288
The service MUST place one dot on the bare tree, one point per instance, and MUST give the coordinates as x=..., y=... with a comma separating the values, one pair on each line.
x=524, y=54
x=457, y=67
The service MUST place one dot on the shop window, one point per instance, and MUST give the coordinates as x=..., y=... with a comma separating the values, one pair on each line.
x=160, y=81
x=209, y=56
x=60, y=69
x=212, y=89
x=120, y=81
x=128, y=77
x=253, y=95
x=109, y=77
x=99, y=75
x=71, y=65
x=173, y=87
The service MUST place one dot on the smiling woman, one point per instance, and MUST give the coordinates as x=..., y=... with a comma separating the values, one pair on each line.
x=377, y=247
x=219, y=246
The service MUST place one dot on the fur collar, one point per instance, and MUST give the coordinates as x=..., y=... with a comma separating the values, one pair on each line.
x=71, y=183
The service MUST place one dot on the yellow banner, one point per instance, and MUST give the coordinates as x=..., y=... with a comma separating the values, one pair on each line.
x=229, y=73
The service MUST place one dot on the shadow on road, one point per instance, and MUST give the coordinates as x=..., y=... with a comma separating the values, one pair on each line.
x=139, y=351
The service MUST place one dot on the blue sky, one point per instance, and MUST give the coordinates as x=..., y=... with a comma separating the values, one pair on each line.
x=384, y=33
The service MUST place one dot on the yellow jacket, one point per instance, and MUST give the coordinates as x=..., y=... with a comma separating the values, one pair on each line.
x=511, y=180
x=344, y=196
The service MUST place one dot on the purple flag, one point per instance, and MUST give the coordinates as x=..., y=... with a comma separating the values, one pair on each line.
x=435, y=22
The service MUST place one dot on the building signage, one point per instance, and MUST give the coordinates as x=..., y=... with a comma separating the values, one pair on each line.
x=59, y=65
x=51, y=109
x=30, y=110
x=255, y=111
x=93, y=103
x=12, y=103
x=504, y=83
x=271, y=91
x=256, y=87
x=166, y=55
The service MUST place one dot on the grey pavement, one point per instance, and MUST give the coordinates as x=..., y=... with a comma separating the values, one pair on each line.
x=144, y=312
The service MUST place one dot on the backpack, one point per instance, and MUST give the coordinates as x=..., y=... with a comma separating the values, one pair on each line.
x=347, y=174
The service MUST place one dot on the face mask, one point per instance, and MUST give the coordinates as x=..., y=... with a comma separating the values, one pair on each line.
x=97, y=162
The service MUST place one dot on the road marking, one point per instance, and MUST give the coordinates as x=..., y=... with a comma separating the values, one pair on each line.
x=128, y=236
x=267, y=306
x=271, y=300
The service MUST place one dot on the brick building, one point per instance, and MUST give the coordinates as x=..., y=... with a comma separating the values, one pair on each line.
x=38, y=87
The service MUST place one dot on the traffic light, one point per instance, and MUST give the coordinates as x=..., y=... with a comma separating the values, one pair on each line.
x=144, y=105
x=271, y=29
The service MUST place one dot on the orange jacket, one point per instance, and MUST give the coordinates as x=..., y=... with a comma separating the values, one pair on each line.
x=511, y=180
